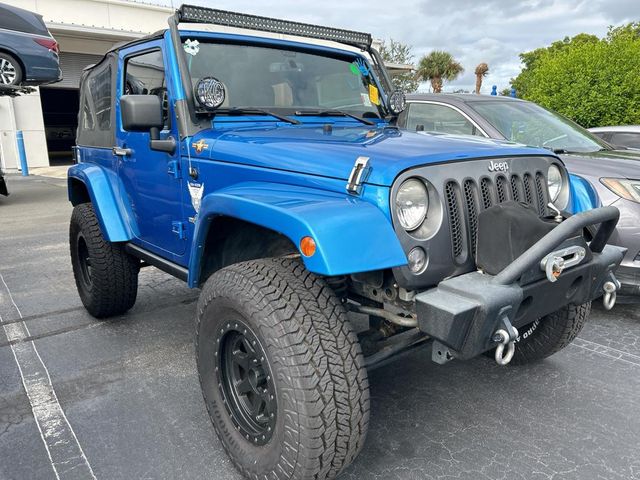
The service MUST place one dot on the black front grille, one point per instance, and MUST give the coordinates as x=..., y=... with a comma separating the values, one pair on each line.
x=464, y=203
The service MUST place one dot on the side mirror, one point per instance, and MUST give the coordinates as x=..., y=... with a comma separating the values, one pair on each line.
x=143, y=113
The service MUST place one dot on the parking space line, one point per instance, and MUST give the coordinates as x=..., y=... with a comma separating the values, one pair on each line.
x=67, y=458
x=605, y=351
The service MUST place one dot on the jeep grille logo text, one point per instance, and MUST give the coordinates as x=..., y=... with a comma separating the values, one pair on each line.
x=498, y=166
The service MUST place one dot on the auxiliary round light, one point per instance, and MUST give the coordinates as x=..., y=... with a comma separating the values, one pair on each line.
x=210, y=92
x=397, y=102
x=417, y=260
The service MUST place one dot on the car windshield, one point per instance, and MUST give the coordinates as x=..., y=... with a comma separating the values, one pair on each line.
x=285, y=80
x=532, y=125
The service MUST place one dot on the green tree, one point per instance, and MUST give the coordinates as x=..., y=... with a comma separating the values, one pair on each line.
x=590, y=80
x=400, y=53
x=436, y=67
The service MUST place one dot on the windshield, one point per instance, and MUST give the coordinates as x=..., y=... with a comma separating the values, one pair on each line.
x=532, y=125
x=286, y=80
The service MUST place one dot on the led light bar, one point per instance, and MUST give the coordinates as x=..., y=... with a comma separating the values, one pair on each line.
x=194, y=14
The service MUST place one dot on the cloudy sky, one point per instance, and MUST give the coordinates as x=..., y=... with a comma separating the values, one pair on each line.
x=474, y=31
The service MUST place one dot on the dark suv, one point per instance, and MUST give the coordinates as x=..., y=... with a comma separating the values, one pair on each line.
x=28, y=52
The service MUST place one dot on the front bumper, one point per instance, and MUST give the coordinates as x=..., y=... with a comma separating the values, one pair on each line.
x=463, y=313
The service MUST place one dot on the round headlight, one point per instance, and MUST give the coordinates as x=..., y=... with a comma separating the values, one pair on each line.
x=412, y=203
x=210, y=92
x=554, y=182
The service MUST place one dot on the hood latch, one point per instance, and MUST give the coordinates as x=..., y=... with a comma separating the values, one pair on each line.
x=358, y=176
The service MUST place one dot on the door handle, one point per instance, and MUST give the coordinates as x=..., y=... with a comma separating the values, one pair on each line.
x=122, y=152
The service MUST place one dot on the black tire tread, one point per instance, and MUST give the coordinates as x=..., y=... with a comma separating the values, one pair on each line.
x=316, y=340
x=114, y=273
x=555, y=331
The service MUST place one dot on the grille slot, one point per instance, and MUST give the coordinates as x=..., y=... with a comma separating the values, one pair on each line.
x=540, y=190
x=486, y=187
x=501, y=187
x=465, y=201
x=528, y=193
x=471, y=210
x=455, y=222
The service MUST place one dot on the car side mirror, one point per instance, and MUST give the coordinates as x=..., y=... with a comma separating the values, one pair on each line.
x=143, y=113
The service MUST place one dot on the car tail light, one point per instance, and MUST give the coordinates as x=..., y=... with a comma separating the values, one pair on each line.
x=51, y=44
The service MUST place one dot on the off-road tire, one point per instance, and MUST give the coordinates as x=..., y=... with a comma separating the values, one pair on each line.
x=110, y=286
x=313, y=355
x=17, y=69
x=550, y=334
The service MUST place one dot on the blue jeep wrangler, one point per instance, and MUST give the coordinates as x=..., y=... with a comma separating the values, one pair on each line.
x=257, y=159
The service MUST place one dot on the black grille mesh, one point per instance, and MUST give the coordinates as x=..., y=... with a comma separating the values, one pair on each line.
x=455, y=223
x=471, y=210
x=464, y=203
x=501, y=184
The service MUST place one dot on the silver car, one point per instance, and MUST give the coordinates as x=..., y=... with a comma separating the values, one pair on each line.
x=613, y=173
x=627, y=136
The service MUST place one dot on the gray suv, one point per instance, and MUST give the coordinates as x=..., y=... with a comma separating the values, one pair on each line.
x=613, y=173
x=28, y=52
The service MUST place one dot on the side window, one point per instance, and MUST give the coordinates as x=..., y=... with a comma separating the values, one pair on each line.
x=431, y=117
x=626, y=139
x=144, y=75
x=100, y=95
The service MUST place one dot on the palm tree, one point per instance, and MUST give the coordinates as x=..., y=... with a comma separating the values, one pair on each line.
x=481, y=71
x=437, y=67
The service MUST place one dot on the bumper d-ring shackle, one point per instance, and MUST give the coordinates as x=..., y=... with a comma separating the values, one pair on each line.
x=609, y=297
x=506, y=341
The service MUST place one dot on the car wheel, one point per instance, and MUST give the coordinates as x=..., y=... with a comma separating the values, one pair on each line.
x=106, y=276
x=10, y=70
x=550, y=334
x=281, y=371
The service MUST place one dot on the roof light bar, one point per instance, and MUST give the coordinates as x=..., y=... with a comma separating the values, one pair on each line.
x=194, y=14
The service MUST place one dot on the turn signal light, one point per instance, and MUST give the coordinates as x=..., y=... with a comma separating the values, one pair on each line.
x=307, y=246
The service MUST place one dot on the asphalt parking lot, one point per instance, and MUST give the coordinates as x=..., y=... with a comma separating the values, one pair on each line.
x=130, y=403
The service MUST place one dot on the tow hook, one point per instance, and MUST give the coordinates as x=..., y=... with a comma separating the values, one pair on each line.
x=506, y=338
x=609, y=298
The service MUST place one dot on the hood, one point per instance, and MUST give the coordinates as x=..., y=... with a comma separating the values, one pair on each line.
x=605, y=163
x=318, y=150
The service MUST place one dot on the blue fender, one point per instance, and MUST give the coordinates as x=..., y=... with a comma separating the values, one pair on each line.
x=113, y=216
x=351, y=235
x=583, y=196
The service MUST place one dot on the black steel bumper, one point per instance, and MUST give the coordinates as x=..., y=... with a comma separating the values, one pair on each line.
x=463, y=313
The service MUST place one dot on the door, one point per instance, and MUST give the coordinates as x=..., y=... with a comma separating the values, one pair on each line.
x=150, y=179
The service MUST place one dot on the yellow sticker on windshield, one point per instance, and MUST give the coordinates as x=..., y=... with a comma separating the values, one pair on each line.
x=373, y=95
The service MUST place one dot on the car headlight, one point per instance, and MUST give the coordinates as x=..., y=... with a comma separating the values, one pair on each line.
x=555, y=182
x=412, y=203
x=627, y=189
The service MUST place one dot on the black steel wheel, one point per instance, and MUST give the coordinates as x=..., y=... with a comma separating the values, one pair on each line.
x=246, y=383
x=281, y=371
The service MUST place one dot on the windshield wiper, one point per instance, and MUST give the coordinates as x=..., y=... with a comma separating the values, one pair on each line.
x=255, y=111
x=328, y=113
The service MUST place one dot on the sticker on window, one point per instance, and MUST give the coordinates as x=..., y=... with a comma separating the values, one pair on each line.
x=373, y=95
x=192, y=47
x=362, y=67
x=365, y=99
